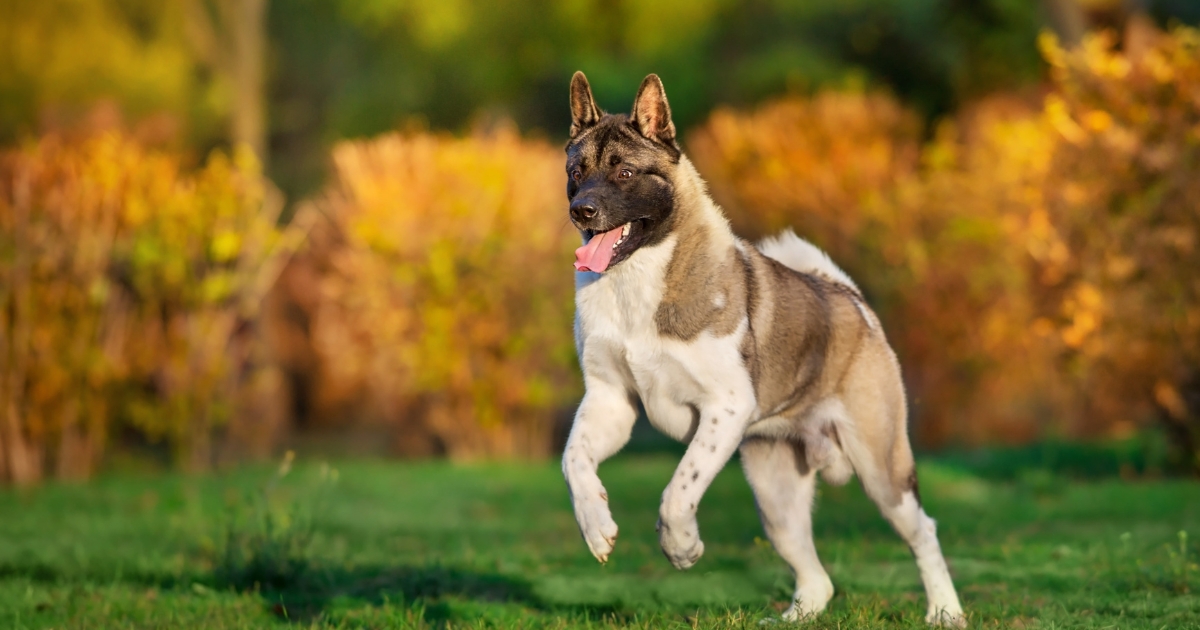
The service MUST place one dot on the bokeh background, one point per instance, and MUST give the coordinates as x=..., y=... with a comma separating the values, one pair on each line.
x=229, y=228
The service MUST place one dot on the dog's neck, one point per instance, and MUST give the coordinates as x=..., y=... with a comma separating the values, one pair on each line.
x=694, y=208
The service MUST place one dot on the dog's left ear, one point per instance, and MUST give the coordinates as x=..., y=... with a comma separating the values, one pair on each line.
x=651, y=113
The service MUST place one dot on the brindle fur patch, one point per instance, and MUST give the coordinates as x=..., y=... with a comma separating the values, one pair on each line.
x=704, y=290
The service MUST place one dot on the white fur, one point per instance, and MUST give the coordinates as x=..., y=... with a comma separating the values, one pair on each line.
x=785, y=500
x=696, y=391
x=799, y=254
x=701, y=392
x=920, y=532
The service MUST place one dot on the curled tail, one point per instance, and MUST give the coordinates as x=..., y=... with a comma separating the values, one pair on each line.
x=799, y=254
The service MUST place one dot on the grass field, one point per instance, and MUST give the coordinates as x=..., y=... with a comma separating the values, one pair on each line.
x=385, y=544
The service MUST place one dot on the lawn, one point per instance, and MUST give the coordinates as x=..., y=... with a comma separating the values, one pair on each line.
x=389, y=544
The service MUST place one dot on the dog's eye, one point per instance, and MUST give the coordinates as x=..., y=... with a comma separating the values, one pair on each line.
x=625, y=174
x=576, y=174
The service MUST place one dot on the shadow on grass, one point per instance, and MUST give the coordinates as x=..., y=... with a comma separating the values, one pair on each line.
x=311, y=593
x=48, y=574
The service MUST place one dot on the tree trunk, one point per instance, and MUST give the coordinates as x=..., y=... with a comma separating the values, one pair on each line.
x=1068, y=20
x=24, y=459
x=232, y=41
x=246, y=70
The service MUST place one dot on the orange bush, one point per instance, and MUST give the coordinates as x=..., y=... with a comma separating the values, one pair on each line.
x=1125, y=201
x=123, y=285
x=448, y=291
x=1037, y=269
x=932, y=234
x=816, y=165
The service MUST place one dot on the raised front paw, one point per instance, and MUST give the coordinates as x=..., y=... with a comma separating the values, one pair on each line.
x=680, y=542
x=597, y=526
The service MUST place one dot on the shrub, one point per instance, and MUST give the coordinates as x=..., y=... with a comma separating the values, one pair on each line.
x=125, y=287
x=929, y=232
x=448, y=289
x=1037, y=268
x=1124, y=198
x=813, y=164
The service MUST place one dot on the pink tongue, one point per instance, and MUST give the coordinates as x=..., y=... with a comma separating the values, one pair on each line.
x=596, y=255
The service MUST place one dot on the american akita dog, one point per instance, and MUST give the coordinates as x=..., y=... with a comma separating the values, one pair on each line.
x=768, y=350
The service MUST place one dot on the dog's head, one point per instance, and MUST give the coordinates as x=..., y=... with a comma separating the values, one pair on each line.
x=619, y=174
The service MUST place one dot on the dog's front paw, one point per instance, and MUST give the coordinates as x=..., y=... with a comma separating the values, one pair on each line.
x=680, y=543
x=597, y=526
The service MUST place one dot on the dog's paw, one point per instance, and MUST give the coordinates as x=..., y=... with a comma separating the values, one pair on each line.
x=946, y=618
x=597, y=526
x=809, y=601
x=681, y=543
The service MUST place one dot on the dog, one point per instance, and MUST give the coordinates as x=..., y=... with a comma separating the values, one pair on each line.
x=767, y=350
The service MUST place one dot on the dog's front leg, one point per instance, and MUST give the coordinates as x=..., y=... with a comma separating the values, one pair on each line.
x=718, y=434
x=602, y=426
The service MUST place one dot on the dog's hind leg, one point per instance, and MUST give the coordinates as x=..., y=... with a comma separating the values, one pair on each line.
x=876, y=441
x=783, y=488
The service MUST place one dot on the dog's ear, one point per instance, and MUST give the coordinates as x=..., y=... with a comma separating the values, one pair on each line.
x=651, y=113
x=584, y=112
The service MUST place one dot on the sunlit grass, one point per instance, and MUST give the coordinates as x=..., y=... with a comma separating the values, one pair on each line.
x=434, y=544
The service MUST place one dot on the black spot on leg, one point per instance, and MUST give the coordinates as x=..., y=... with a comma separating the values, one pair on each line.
x=715, y=423
x=912, y=485
x=695, y=475
x=712, y=449
x=685, y=486
x=693, y=507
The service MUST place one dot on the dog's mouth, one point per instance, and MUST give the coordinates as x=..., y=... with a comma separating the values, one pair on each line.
x=602, y=250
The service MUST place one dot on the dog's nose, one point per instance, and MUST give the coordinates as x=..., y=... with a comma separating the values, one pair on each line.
x=582, y=211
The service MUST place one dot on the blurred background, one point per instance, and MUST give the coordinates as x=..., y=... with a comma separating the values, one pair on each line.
x=234, y=227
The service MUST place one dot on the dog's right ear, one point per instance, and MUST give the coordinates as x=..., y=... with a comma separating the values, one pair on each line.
x=584, y=112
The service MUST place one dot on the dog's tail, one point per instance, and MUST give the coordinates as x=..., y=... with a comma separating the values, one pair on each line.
x=799, y=254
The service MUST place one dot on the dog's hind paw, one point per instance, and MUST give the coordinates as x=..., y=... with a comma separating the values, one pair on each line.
x=943, y=618
x=809, y=602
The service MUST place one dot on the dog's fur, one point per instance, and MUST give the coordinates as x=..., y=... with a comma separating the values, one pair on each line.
x=769, y=350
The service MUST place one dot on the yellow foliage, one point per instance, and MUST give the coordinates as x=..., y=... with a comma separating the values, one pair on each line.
x=937, y=235
x=62, y=55
x=803, y=163
x=121, y=292
x=1036, y=268
x=449, y=291
x=1132, y=236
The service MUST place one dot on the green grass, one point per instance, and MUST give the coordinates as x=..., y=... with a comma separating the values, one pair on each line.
x=433, y=544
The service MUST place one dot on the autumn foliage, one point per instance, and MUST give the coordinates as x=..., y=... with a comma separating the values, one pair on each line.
x=445, y=296
x=1125, y=202
x=125, y=288
x=1036, y=259
x=1036, y=266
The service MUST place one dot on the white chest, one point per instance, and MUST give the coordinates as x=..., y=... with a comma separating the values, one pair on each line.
x=620, y=342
